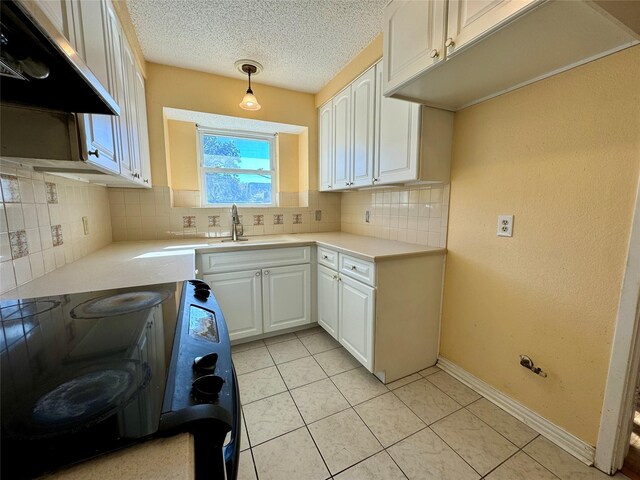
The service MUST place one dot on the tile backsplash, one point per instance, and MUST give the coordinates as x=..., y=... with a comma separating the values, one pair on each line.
x=414, y=214
x=41, y=223
x=155, y=214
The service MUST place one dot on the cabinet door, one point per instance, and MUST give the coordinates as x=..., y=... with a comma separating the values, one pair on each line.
x=413, y=39
x=240, y=297
x=325, y=147
x=92, y=42
x=469, y=20
x=357, y=303
x=328, y=300
x=286, y=297
x=342, y=138
x=397, y=138
x=55, y=10
x=363, y=97
x=143, y=131
x=132, y=166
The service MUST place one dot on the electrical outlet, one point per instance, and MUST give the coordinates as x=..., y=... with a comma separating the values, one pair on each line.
x=318, y=215
x=85, y=225
x=367, y=216
x=505, y=225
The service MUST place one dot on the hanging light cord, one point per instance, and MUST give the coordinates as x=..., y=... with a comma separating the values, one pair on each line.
x=249, y=73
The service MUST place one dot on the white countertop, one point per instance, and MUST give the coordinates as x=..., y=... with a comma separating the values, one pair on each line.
x=129, y=264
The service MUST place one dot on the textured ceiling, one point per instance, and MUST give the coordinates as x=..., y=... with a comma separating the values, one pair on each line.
x=223, y=122
x=302, y=44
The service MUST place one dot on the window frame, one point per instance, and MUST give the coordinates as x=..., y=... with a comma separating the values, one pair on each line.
x=203, y=170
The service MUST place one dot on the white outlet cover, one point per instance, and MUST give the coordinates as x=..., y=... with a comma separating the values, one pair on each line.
x=505, y=225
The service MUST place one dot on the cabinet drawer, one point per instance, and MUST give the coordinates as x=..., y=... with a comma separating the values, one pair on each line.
x=254, y=259
x=358, y=269
x=328, y=258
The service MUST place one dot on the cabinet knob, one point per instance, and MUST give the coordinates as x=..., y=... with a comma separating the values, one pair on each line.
x=347, y=184
x=146, y=180
x=266, y=272
x=375, y=180
x=326, y=257
x=353, y=267
x=95, y=153
x=329, y=186
x=335, y=277
x=257, y=274
x=434, y=53
x=449, y=42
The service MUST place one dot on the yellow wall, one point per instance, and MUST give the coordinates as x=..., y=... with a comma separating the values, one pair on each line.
x=367, y=57
x=183, y=155
x=563, y=156
x=203, y=92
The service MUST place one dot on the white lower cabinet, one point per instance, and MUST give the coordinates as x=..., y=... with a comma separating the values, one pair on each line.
x=271, y=296
x=328, y=300
x=356, y=319
x=240, y=297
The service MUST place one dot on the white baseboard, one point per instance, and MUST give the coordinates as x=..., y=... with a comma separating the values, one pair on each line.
x=563, y=439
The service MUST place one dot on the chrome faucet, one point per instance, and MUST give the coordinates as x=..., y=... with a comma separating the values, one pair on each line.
x=235, y=221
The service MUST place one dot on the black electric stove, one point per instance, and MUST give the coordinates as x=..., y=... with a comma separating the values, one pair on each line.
x=88, y=373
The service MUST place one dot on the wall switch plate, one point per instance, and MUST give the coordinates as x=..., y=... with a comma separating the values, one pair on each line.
x=85, y=225
x=367, y=216
x=505, y=225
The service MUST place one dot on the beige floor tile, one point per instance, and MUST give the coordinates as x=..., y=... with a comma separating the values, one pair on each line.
x=246, y=470
x=287, y=351
x=521, y=467
x=506, y=424
x=343, y=440
x=480, y=445
x=280, y=338
x=291, y=456
x=319, y=342
x=404, y=381
x=429, y=371
x=251, y=360
x=426, y=401
x=336, y=361
x=389, y=419
x=244, y=439
x=318, y=400
x=260, y=384
x=309, y=331
x=301, y=372
x=454, y=388
x=378, y=467
x=242, y=347
x=424, y=456
x=359, y=385
x=560, y=462
x=270, y=417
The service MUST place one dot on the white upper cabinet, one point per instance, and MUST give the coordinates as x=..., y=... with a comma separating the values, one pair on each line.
x=325, y=147
x=470, y=19
x=397, y=139
x=414, y=39
x=451, y=54
x=342, y=139
x=363, y=96
x=143, y=131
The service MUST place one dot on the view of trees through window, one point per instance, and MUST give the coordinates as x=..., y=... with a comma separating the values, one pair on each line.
x=237, y=169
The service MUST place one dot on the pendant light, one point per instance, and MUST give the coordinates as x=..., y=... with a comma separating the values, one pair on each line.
x=249, y=101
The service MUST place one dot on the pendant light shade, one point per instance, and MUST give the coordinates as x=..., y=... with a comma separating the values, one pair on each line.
x=249, y=101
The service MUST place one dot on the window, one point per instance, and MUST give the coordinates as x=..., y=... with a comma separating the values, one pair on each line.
x=236, y=168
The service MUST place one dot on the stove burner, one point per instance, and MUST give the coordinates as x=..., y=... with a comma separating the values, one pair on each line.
x=113, y=305
x=81, y=400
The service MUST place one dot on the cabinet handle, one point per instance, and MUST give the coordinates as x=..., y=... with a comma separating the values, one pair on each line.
x=266, y=272
x=434, y=53
x=347, y=184
x=146, y=180
x=335, y=277
x=449, y=42
x=329, y=186
x=95, y=153
x=353, y=267
x=326, y=257
x=375, y=180
x=257, y=274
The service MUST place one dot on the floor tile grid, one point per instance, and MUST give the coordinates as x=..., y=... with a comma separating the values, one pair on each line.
x=423, y=375
x=305, y=426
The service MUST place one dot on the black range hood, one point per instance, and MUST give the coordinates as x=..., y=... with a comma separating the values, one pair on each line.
x=40, y=69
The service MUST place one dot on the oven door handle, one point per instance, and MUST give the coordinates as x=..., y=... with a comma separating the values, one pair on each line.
x=232, y=449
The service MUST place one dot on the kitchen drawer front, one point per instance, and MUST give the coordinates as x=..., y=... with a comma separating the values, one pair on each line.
x=358, y=269
x=254, y=259
x=328, y=258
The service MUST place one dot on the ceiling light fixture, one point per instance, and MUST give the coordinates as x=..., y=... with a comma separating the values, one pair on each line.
x=249, y=67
